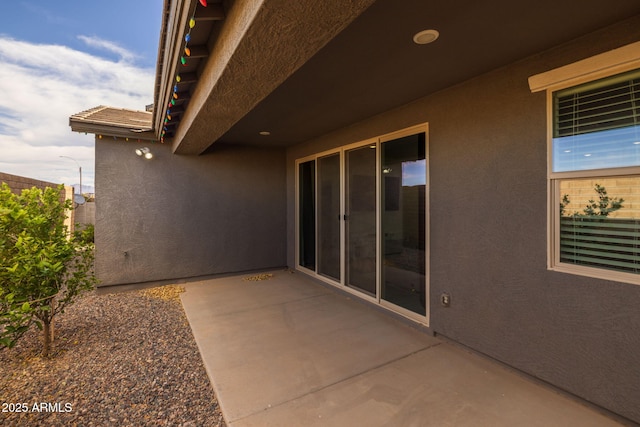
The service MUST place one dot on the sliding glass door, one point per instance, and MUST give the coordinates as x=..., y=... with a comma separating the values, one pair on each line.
x=404, y=182
x=362, y=219
x=329, y=216
x=307, y=214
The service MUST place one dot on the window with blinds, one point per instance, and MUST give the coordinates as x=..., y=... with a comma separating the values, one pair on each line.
x=597, y=125
x=600, y=223
x=602, y=243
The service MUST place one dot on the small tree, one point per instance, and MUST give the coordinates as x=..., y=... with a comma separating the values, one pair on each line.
x=40, y=264
x=603, y=207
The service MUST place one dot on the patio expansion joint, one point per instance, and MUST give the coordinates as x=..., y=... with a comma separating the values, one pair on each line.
x=342, y=380
x=275, y=304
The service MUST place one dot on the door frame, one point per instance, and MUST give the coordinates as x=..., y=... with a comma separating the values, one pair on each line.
x=413, y=130
x=341, y=284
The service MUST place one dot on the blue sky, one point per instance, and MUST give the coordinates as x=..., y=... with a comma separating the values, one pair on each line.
x=60, y=58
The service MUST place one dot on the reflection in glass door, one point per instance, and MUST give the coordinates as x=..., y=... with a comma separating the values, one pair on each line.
x=360, y=198
x=404, y=179
x=329, y=216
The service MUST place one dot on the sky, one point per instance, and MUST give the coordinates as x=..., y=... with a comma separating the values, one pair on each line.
x=58, y=58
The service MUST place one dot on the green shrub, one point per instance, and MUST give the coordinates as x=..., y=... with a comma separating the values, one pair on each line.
x=40, y=266
x=84, y=233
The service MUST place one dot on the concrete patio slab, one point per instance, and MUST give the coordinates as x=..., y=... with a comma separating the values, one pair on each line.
x=288, y=351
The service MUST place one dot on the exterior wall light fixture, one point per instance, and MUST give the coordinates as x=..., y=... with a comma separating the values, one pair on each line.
x=144, y=152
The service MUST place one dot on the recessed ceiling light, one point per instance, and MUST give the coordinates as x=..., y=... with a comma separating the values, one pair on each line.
x=265, y=133
x=426, y=36
x=588, y=155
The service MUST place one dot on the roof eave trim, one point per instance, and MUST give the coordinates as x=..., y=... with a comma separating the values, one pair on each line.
x=113, y=131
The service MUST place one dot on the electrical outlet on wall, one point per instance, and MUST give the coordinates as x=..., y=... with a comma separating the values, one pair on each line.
x=445, y=299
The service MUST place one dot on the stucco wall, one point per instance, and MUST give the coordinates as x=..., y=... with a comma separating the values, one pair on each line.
x=86, y=213
x=184, y=216
x=488, y=231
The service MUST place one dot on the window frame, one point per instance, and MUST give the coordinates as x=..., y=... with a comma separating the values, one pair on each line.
x=617, y=61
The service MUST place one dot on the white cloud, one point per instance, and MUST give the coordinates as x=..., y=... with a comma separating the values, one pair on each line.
x=96, y=42
x=41, y=86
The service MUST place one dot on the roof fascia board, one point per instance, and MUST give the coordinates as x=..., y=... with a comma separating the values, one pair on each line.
x=106, y=130
x=174, y=32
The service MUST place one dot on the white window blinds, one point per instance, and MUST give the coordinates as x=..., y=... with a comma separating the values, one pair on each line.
x=597, y=125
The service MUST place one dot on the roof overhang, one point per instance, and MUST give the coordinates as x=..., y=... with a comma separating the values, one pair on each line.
x=187, y=34
x=114, y=122
x=259, y=46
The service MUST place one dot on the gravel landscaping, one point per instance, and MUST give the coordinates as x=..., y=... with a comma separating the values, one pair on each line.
x=122, y=359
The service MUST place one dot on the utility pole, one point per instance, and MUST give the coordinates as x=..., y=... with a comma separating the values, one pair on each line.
x=79, y=169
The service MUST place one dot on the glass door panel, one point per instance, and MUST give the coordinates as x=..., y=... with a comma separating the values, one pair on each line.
x=329, y=216
x=360, y=198
x=404, y=180
x=307, y=214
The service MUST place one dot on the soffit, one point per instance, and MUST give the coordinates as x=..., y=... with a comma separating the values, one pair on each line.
x=373, y=65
